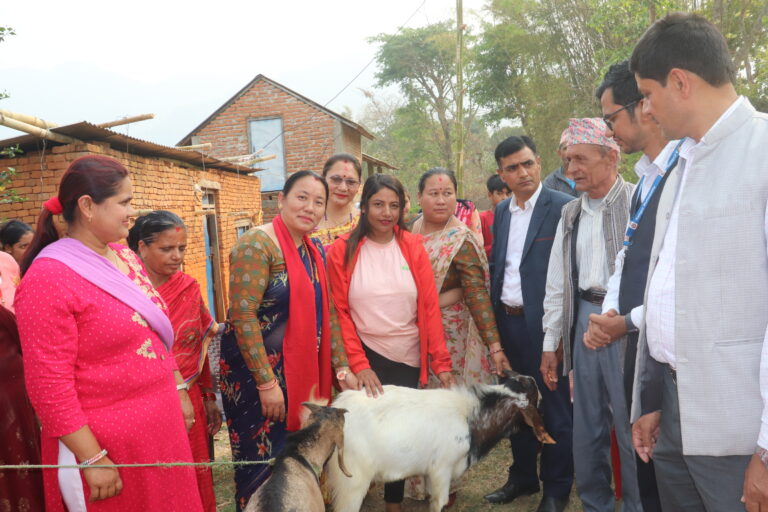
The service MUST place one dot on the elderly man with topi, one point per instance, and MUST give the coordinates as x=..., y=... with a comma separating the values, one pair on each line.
x=588, y=238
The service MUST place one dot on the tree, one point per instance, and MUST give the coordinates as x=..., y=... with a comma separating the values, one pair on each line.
x=539, y=61
x=7, y=194
x=421, y=62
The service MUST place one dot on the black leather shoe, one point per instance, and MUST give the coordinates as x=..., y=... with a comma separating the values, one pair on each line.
x=510, y=491
x=552, y=504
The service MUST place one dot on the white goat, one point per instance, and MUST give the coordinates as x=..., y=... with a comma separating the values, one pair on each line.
x=434, y=432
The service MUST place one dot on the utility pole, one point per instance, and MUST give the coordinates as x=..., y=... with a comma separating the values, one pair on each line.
x=459, y=98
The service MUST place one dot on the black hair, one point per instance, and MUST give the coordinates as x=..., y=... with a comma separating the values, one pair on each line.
x=621, y=81
x=343, y=157
x=496, y=184
x=12, y=231
x=147, y=227
x=512, y=145
x=371, y=186
x=686, y=41
x=291, y=181
x=434, y=172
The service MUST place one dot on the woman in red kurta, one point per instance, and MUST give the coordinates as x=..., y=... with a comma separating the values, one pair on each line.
x=96, y=340
x=160, y=240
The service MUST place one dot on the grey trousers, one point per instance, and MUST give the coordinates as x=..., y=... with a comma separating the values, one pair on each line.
x=599, y=404
x=693, y=483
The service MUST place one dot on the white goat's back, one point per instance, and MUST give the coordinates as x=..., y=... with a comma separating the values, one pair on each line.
x=404, y=432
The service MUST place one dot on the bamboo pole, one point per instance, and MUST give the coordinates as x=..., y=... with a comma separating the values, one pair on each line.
x=205, y=145
x=35, y=130
x=241, y=157
x=255, y=160
x=24, y=118
x=126, y=120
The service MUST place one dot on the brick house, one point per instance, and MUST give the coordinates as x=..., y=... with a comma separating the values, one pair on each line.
x=217, y=200
x=301, y=133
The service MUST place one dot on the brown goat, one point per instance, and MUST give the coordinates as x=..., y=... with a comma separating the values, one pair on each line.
x=294, y=485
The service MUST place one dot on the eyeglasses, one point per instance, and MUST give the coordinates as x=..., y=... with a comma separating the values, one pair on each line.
x=338, y=180
x=608, y=118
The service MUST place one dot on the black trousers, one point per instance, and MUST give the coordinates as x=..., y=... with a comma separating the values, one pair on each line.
x=398, y=374
x=556, y=459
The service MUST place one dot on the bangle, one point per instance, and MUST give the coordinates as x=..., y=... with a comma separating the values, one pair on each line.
x=267, y=386
x=183, y=386
x=497, y=351
x=96, y=458
x=762, y=453
x=209, y=397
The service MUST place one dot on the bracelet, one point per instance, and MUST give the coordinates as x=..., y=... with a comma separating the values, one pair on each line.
x=209, y=397
x=267, y=386
x=183, y=386
x=96, y=458
x=763, y=454
x=497, y=351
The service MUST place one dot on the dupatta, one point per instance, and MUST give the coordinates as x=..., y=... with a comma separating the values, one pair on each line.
x=305, y=366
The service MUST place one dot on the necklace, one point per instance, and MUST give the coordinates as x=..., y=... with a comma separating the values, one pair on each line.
x=334, y=223
x=421, y=227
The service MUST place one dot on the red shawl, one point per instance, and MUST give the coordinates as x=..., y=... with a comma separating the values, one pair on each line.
x=193, y=327
x=304, y=367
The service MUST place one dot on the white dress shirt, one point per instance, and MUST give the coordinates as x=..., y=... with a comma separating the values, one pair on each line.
x=647, y=171
x=590, y=260
x=660, y=306
x=519, y=220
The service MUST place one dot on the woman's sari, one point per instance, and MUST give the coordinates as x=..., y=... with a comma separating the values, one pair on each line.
x=469, y=355
x=194, y=332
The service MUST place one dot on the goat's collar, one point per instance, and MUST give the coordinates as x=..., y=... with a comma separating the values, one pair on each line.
x=316, y=470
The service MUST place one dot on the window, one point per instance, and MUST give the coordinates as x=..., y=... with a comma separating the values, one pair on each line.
x=267, y=134
x=241, y=226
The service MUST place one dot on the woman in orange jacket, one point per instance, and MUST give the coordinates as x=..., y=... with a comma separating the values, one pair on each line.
x=385, y=296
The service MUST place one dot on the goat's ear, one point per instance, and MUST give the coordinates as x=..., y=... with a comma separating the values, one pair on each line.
x=533, y=418
x=313, y=408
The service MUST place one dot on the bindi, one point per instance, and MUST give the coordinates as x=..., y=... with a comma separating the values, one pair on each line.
x=178, y=228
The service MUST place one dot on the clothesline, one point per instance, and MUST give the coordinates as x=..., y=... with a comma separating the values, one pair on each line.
x=154, y=465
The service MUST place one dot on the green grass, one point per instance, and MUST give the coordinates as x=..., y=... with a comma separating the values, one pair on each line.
x=489, y=474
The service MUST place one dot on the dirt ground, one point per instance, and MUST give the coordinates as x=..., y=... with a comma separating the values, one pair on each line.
x=483, y=478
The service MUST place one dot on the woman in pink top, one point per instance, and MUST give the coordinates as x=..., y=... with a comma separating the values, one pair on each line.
x=386, y=300
x=96, y=341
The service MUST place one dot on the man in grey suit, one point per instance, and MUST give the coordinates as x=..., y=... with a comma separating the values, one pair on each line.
x=702, y=359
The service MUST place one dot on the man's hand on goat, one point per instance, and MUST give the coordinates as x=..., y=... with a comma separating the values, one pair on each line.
x=755, y=497
x=500, y=361
x=370, y=381
x=447, y=380
x=604, y=329
x=645, y=431
x=548, y=370
x=272, y=403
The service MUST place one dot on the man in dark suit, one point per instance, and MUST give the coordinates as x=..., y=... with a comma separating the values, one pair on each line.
x=523, y=233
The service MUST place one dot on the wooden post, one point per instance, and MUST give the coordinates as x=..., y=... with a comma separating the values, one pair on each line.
x=126, y=120
x=35, y=130
x=459, y=99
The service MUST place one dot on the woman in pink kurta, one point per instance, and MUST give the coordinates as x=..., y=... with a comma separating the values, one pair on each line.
x=96, y=342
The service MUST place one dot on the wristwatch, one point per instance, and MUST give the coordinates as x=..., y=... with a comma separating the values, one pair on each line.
x=342, y=374
x=631, y=328
x=183, y=386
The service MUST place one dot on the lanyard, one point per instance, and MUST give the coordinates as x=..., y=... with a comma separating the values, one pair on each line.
x=632, y=227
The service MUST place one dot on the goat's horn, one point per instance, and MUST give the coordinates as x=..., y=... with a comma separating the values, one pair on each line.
x=341, y=461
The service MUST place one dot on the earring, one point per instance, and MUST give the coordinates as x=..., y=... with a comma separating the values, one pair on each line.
x=90, y=219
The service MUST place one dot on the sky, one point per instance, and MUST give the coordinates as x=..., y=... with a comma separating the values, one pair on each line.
x=98, y=61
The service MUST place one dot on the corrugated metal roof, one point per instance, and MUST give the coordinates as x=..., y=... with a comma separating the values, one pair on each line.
x=88, y=132
x=376, y=161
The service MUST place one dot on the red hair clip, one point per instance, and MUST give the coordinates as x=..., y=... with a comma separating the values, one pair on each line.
x=53, y=205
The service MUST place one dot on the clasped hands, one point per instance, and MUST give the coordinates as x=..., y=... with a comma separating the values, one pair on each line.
x=604, y=329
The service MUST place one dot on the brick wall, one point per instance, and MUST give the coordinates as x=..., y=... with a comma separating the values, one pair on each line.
x=157, y=184
x=310, y=136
